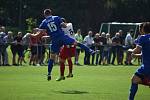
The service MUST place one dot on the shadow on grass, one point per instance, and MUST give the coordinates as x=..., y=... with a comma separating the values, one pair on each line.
x=71, y=92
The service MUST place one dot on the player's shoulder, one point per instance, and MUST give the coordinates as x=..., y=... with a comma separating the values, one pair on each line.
x=69, y=24
x=44, y=21
x=56, y=17
x=144, y=36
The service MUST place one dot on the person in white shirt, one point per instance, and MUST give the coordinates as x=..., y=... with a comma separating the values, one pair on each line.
x=128, y=45
x=128, y=40
x=88, y=41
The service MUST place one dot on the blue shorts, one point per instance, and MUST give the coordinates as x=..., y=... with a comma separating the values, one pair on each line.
x=59, y=42
x=142, y=71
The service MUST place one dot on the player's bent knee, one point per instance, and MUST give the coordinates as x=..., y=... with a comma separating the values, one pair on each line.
x=135, y=79
x=61, y=60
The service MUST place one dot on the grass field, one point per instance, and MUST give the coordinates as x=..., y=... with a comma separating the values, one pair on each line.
x=88, y=83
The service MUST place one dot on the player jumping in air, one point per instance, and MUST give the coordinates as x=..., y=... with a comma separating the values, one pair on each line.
x=66, y=52
x=142, y=75
x=53, y=26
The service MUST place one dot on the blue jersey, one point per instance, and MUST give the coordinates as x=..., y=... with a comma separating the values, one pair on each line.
x=144, y=42
x=53, y=26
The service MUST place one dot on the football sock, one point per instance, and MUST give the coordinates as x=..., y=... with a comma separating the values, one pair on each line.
x=70, y=65
x=62, y=68
x=133, y=90
x=50, y=66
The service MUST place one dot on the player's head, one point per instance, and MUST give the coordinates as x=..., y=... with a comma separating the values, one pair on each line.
x=141, y=29
x=146, y=27
x=64, y=20
x=47, y=12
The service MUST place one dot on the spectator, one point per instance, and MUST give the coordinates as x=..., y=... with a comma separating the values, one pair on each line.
x=26, y=42
x=34, y=48
x=120, y=48
x=115, y=47
x=19, y=47
x=108, y=49
x=88, y=41
x=103, y=41
x=128, y=45
x=97, y=46
x=8, y=40
x=3, y=53
x=79, y=38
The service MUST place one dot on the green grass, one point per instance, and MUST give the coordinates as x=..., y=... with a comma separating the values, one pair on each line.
x=88, y=83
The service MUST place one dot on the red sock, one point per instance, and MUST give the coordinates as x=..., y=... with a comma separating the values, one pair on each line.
x=62, y=68
x=70, y=65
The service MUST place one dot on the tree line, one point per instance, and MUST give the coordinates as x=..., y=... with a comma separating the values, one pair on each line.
x=84, y=14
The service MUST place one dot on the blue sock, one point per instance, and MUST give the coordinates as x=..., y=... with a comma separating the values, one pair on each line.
x=50, y=66
x=133, y=90
x=82, y=46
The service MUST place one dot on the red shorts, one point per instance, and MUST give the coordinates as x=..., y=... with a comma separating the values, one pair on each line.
x=146, y=81
x=67, y=51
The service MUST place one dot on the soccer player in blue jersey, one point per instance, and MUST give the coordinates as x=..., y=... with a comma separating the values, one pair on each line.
x=142, y=75
x=53, y=26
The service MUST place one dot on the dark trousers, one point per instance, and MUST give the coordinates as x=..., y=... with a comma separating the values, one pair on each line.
x=87, y=58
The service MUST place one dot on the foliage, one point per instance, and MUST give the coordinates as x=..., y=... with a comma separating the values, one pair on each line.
x=84, y=14
x=31, y=23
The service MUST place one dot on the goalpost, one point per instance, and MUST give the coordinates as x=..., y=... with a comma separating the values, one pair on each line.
x=112, y=27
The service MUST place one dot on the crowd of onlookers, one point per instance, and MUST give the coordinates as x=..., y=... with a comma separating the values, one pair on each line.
x=19, y=44
x=108, y=48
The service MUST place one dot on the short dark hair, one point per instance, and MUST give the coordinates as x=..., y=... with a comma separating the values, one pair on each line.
x=47, y=12
x=63, y=19
x=146, y=27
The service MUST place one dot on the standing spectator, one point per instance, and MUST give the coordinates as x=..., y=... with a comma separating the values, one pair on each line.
x=97, y=45
x=34, y=48
x=115, y=47
x=103, y=41
x=88, y=41
x=128, y=45
x=19, y=47
x=3, y=52
x=78, y=38
x=26, y=41
x=109, y=43
x=120, y=47
x=13, y=47
x=8, y=40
